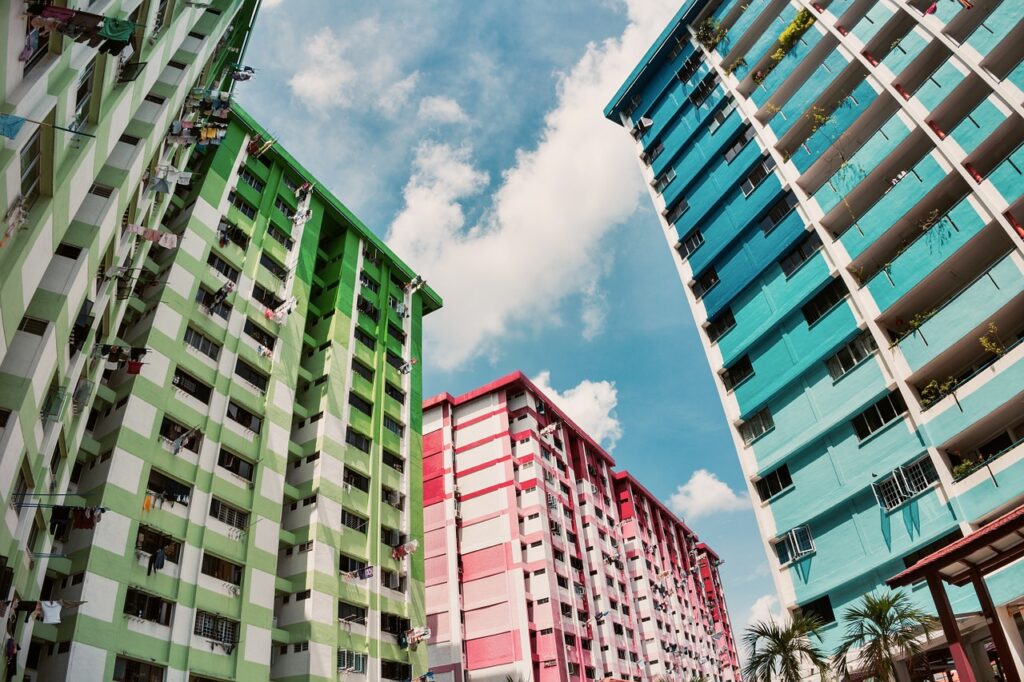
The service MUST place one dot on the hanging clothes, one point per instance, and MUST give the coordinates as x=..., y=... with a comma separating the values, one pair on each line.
x=51, y=612
x=147, y=503
x=60, y=521
x=156, y=561
x=30, y=608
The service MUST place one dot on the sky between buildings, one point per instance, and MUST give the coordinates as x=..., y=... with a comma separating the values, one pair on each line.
x=470, y=136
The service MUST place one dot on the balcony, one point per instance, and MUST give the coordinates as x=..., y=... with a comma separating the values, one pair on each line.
x=968, y=308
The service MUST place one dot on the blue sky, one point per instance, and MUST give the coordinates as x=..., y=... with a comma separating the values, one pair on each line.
x=469, y=135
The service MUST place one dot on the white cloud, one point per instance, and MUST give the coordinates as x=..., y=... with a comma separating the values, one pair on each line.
x=706, y=494
x=539, y=243
x=591, y=404
x=270, y=4
x=322, y=81
x=396, y=96
x=765, y=608
x=442, y=110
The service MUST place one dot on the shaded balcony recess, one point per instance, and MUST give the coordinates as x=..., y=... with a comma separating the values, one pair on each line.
x=742, y=43
x=924, y=220
x=960, y=28
x=964, y=99
x=821, y=111
x=846, y=145
x=852, y=15
x=793, y=82
x=877, y=183
x=930, y=60
x=1001, y=433
x=997, y=147
x=968, y=359
x=965, y=267
x=891, y=33
x=1002, y=59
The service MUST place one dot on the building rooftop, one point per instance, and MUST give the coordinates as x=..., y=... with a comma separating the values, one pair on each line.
x=431, y=300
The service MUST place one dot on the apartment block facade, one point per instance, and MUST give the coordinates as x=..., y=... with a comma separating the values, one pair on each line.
x=210, y=400
x=840, y=186
x=533, y=557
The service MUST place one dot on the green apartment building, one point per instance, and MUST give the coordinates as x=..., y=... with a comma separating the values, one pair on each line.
x=209, y=390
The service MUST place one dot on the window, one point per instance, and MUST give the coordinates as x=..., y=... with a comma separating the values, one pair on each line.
x=394, y=393
x=761, y=171
x=847, y=357
x=351, y=613
x=394, y=461
x=228, y=514
x=266, y=297
x=365, y=339
x=393, y=497
x=33, y=326
x=395, y=361
x=721, y=115
x=357, y=440
x=250, y=179
x=205, y=297
x=127, y=670
x=282, y=206
x=651, y=154
x=393, y=670
x=689, y=67
x=793, y=545
x=191, y=439
x=904, y=483
x=252, y=375
x=280, y=236
x=773, y=483
x=246, y=209
x=169, y=489
x=820, y=608
x=202, y=344
x=222, y=569
x=756, y=426
x=883, y=412
x=688, y=244
x=83, y=94
x=350, y=661
x=740, y=371
x=704, y=89
x=147, y=606
x=31, y=168
x=187, y=383
x=396, y=333
x=216, y=627
x=221, y=266
x=676, y=212
x=393, y=426
x=777, y=213
x=392, y=537
x=392, y=580
x=738, y=144
x=800, y=254
x=360, y=404
x=362, y=370
x=664, y=180
x=239, y=466
x=275, y=268
x=258, y=334
x=244, y=417
x=704, y=283
x=718, y=327
x=356, y=480
x=353, y=521
x=824, y=301
x=369, y=282
x=348, y=564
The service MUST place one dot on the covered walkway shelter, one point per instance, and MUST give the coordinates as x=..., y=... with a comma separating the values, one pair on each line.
x=968, y=560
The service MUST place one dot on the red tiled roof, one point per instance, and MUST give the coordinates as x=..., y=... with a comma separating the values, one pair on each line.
x=992, y=546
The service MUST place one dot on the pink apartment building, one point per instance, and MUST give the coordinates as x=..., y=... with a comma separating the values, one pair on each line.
x=544, y=564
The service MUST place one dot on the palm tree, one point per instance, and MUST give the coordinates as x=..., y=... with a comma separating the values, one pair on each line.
x=777, y=652
x=885, y=628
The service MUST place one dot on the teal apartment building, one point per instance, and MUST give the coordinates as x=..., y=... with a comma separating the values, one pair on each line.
x=210, y=452
x=840, y=185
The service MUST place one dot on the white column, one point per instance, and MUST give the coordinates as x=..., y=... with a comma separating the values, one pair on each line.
x=1013, y=636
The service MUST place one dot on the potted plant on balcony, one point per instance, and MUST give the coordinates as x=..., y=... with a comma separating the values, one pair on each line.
x=990, y=341
x=964, y=468
x=710, y=33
